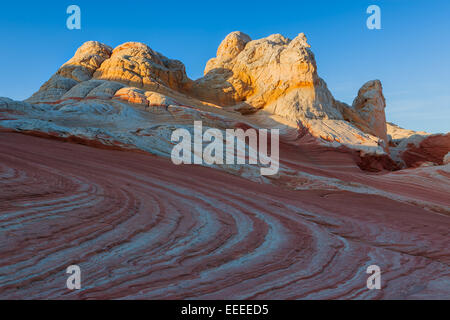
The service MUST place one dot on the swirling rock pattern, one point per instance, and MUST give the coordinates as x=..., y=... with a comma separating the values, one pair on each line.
x=100, y=191
x=140, y=227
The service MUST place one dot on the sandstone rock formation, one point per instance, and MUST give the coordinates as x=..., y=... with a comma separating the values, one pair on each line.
x=137, y=65
x=86, y=60
x=274, y=73
x=396, y=133
x=446, y=159
x=416, y=148
x=280, y=76
x=140, y=215
x=271, y=82
x=147, y=98
x=370, y=104
x=163, y=231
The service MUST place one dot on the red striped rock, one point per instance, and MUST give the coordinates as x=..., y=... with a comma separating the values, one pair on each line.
x=140, y=227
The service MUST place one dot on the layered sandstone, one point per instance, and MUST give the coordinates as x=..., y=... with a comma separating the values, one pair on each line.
x=274, y=73
x=87, y=59
x=370, y=105
x=142, y=228
x=163, y=231
x=271, y=82
x=137, y=65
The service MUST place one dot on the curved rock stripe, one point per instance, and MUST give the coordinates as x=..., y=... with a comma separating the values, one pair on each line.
x=141, y=227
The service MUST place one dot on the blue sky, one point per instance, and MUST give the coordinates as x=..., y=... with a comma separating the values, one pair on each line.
x=410, y=55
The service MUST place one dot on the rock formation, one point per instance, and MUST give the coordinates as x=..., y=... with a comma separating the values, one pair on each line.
x=273, y=73
x=136, y=65
x=142, y=228
x=370, y=104
x=446, y=159
x=84, y=63
x=163, y=231
x=271, y=82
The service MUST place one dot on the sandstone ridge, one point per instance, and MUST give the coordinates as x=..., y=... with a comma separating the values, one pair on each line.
x=271, y=82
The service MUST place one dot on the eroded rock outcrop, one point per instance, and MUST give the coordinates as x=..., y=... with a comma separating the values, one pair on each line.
x=274, y=73
x=370, y=105
x=266, y=83
x=446, y=159
x=146, y=98
x=88, y=58
x=81, y=67
x=97, y=66
x=163, y=231
x=139, y=66
x=396, y=133
x=417, y=148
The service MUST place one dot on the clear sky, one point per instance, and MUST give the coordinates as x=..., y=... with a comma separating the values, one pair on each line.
x=410, y=54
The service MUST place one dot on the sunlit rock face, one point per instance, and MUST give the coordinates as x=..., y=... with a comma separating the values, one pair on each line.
x=370, y=104
x=136, y=65
x=87, y=59
x=274, y=73
x=279, y=77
